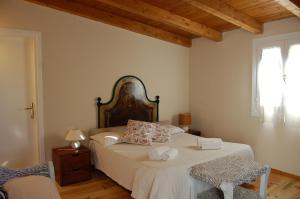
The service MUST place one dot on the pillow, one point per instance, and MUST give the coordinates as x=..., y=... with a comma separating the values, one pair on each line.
x=33, y=187
x=173, y=129
x=107, y=138
x=162, y=133
x=139, y=132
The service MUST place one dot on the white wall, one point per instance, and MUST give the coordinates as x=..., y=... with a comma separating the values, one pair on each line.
x=82, y=59
x=220, y=96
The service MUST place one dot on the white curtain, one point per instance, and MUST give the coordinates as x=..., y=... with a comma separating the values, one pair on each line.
x=279, y=86
x=270, y=84
x=292, y=87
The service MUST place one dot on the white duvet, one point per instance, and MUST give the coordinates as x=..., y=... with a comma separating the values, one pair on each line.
x=130, y=166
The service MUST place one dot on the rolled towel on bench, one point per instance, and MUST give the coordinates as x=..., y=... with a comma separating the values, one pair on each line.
x=210, y=143
x=156, y=153
x=170, y=154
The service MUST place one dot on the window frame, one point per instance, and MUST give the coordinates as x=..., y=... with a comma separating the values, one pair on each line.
x=284, y=41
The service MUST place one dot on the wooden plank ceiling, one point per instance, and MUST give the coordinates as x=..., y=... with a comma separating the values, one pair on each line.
x=180, y=21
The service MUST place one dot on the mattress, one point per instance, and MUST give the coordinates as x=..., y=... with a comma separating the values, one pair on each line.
x=129, y=165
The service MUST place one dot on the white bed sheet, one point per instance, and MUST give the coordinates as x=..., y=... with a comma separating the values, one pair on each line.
x=130, y=166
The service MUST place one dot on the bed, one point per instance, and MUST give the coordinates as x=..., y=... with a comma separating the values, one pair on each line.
x=129, y=165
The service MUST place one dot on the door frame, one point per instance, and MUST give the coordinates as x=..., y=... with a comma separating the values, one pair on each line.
x=37, y=38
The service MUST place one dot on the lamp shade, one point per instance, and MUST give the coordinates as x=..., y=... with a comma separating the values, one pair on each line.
x=185, y=119
x=75, y=135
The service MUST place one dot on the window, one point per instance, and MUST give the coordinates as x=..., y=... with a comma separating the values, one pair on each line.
x=276, y=79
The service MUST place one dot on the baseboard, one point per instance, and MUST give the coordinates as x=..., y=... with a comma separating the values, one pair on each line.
x=276, y=171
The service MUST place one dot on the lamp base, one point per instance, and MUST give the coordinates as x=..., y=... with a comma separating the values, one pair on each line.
x=75, y=145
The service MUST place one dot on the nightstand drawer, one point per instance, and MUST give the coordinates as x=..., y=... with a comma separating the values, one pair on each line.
x=76, y=176
x=75, y=162
x=75, y=169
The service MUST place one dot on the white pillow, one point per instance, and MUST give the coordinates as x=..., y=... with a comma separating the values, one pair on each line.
x=107, y=138
x=174, y=129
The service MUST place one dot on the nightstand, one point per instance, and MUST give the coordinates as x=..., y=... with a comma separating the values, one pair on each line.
x=194, y=132
x=70, y=165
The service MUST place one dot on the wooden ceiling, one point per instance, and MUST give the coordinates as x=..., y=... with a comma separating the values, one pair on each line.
x=180, y=21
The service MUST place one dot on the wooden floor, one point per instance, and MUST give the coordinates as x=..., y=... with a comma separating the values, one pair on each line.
x=102, y=187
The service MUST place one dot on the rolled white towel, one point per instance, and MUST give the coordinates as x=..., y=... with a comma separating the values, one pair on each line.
x=210, y=143
x=170, y=154
x=156, y=153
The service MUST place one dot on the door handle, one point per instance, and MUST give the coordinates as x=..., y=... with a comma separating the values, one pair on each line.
x=31, y=108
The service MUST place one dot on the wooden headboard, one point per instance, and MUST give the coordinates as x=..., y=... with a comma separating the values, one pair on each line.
x=129, y=101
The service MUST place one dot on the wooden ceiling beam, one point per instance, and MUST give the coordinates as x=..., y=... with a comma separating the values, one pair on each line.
x=227, y=13
x=111, y=19
x=154, y=13
x=292, y=5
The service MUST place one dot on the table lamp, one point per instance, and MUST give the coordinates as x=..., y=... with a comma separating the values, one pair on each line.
x=75, y=136
x=185, y=120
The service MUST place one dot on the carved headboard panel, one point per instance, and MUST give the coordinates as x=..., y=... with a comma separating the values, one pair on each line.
x=129, y=101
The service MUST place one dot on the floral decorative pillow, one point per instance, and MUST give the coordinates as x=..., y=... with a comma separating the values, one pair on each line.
x=139, y=132
x=162, y=133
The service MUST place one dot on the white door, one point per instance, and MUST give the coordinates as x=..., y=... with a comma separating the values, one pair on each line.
x=18, y=124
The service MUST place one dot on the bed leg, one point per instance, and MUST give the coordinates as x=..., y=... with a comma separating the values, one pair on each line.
x=227, y=189
x=264, y=183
